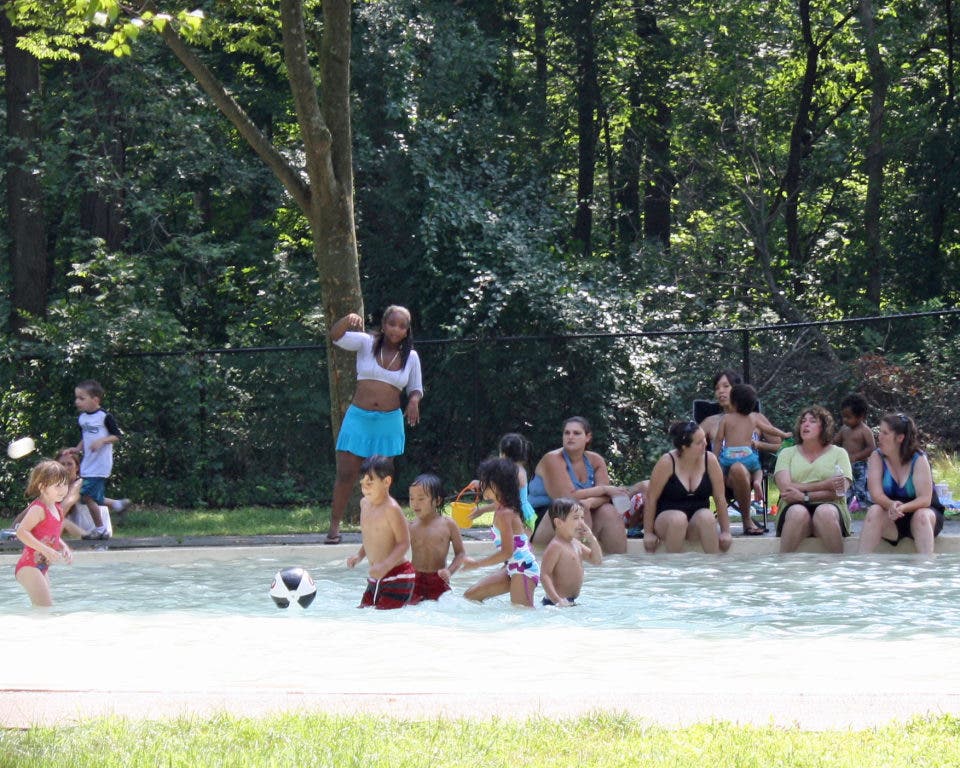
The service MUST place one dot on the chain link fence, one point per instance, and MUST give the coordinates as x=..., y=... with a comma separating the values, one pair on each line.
x=252, y=426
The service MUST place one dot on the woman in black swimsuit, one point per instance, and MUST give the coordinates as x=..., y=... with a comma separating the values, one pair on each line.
x=677, y=507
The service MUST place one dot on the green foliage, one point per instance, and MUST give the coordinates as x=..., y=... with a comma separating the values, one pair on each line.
x=166, y=235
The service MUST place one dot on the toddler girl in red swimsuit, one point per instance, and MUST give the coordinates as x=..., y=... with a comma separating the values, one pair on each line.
x=40, y=528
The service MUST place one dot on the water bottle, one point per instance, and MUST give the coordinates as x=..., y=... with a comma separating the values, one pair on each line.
x=838, y=481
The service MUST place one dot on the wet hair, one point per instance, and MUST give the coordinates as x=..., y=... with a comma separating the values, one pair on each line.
x=407, y=344
x=856, y=404
x=378, y=466
x=744, y=398
x=682, y=432
x=823, y=416
x=562, y=507
x=93, y=388
x=48, y=472
x=730, y=375
x=582, y=421
x=432, y=486
x=501, y=474
x=515, y=447
x=901, y=424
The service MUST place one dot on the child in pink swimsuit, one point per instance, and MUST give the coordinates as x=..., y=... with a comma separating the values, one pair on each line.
x=40, y=528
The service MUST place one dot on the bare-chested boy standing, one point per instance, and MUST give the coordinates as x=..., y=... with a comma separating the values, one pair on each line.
x=431, y=536
x=386, y=538
x=858, y=441
x=561, y=569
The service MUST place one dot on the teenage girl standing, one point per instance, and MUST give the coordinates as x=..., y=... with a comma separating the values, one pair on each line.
x=387, y=364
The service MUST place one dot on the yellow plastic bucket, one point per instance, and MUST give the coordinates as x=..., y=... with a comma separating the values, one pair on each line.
x=461, y=510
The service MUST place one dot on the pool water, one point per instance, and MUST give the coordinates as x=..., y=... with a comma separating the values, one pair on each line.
x=664, y=625
x=809, y=595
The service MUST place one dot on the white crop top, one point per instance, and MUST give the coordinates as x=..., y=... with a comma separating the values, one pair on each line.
x=368, y=369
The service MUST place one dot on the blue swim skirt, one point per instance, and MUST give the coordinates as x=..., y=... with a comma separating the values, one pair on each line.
x=368, y=433
x=741, y=454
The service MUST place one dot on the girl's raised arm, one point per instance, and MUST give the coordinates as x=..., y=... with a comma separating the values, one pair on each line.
x=351, y=322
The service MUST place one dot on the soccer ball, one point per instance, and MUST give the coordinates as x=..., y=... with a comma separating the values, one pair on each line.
x=293, y=585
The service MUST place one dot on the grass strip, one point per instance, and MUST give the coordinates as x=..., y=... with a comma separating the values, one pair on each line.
x=603, y=740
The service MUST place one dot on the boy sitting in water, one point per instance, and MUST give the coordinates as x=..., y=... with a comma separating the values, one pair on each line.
x=431, y=535
x=561, y=569
x=386, y=538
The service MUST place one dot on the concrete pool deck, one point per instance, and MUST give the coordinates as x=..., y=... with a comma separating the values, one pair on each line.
x=821, y=691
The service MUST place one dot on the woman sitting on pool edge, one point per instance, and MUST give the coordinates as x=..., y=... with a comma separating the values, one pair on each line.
x=813, y=477
x=677, y=507
x=574, y=472
x=905, y=503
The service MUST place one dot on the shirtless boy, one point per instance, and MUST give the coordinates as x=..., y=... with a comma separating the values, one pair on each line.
x=386, y=538
x=431, y=535
x=561, y=568
x=857, y=439
x=740, y=435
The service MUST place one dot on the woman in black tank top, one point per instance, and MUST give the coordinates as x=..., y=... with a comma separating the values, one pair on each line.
x=678, y=502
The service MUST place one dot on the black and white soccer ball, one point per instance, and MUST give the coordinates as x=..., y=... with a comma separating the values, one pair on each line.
x=293, y=585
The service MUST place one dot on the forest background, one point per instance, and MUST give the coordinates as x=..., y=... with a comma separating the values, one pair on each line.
x=590, y=207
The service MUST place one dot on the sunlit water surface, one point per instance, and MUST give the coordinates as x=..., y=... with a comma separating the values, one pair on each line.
x=775, y=622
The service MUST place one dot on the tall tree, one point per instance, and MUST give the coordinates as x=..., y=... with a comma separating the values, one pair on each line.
x=29, y=262
x=657, y=118
x=874, y=150
x=579, y=16
x=322, y=185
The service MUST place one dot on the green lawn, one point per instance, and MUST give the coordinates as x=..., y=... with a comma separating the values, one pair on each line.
x=241, y=521
x=601, y=740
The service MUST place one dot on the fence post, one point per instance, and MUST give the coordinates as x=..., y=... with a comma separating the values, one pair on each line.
x=474, y=447
x=202, y=417
x=745, y=352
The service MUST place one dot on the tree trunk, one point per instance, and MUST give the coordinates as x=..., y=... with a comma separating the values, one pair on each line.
x=335, y=236
x=326, y=196
x=949, y=45
x=629, y=162
x=801, y=140
x=539, y=106
x=875, y=153
x=658, y=173
x=102, y=207
x=29, y=262
x=588, y=98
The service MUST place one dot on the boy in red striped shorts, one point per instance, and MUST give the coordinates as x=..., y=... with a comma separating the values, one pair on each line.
x=386, y=539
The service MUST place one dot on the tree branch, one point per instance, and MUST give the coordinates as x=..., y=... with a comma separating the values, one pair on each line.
x=286, y=173
x=316, y=135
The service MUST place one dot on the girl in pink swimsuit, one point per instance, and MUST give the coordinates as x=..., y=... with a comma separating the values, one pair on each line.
x=40, y=528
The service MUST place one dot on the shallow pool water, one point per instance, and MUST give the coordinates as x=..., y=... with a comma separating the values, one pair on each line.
x=697, y=631
x=806, y=595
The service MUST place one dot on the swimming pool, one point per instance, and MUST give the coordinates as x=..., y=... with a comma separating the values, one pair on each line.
x=808, y=595
x=704, y=631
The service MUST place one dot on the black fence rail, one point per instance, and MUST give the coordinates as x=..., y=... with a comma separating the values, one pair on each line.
x=223, y=427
